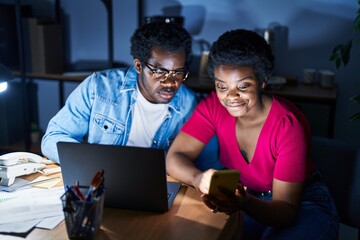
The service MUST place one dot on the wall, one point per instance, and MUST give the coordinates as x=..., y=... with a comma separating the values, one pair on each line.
x=85, y=22
x=314, y=28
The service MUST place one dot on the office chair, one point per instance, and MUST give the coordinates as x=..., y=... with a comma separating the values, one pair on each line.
x=339, y=164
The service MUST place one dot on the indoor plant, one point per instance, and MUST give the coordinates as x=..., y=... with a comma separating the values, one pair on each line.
x=341, y=55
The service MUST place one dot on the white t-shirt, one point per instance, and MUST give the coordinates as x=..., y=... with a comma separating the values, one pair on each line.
x=147, y=118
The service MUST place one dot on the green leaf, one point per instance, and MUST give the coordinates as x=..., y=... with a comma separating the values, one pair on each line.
x=345, y=52
x=337, y=48
x=357, y=22
x=356, y=98
x=334, y=56
x=338, y=63
x=355, y=117
x=345, y=56
x=348, y=46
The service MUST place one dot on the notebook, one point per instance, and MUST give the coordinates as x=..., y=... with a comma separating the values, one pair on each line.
x=135, y=177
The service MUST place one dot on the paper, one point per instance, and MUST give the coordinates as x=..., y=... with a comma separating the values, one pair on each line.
x=32, y=203
x=17, y=183
x=49, y=171
x=25, y=226
x=9, y=237
x=19, y=227
x=20, y=184
x=48, y=184
x=50, y=223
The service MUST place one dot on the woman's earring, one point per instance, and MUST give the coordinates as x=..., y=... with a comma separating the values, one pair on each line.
x=263, y=84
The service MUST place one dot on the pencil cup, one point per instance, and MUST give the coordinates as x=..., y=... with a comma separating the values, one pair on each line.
x=82, y=217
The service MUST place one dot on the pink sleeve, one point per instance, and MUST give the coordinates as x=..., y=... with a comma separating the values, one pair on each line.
x=291, y=151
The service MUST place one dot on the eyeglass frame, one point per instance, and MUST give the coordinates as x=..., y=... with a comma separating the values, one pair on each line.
x=153, y=69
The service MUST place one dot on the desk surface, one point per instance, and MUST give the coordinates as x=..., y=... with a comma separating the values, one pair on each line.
x=188, y=218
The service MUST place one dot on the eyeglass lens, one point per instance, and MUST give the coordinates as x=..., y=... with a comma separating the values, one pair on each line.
x=162, y=74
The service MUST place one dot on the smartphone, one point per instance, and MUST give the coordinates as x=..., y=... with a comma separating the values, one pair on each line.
x=225, y=178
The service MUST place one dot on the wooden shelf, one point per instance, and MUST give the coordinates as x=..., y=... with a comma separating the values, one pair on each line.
x=20, y=147
x=53, y=76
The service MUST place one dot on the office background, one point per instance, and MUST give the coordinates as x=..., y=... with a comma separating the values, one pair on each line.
x=306, y=33
x=313, y=27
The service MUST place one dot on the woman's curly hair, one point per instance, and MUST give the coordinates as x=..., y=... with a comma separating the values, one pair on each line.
x=166, y=36
x=242, y=48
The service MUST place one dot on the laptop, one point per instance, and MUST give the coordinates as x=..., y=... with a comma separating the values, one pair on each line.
x=135, y=177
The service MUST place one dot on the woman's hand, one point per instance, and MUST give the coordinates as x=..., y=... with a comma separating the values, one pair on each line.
x=226, y=201
x=202, y=181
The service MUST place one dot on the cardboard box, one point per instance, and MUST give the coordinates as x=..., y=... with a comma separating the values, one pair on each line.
x=46, y=46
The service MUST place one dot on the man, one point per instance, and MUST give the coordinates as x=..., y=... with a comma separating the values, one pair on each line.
x=144, y=105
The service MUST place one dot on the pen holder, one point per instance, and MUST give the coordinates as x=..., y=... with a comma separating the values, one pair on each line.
x=82, y=218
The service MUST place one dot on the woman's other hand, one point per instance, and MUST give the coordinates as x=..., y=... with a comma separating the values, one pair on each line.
x=226, y=201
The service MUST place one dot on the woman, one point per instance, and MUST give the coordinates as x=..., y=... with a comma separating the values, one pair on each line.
x=266, y=138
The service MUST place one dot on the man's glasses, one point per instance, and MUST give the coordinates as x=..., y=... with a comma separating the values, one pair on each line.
x=162, y=74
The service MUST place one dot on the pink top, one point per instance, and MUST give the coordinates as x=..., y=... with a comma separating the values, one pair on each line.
x=282, y=150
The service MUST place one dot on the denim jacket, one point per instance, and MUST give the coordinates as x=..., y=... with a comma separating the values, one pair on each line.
x=100, y=110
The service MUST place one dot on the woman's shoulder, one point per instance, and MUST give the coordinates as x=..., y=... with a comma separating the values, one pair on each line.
x=283, y=109
x=282, y=105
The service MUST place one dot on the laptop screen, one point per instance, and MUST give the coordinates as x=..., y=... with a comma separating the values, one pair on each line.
x=135, y=177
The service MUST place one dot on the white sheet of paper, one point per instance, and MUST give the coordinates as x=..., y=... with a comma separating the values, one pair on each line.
x=19, y=227
x=30, y=204
x=9, y=237
x=17, y=182
x=25, y=226
x=50, y=222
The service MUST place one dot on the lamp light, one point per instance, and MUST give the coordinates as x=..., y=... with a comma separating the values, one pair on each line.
x=5, y=76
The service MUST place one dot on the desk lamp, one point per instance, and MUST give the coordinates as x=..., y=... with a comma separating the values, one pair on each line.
x=5, y=76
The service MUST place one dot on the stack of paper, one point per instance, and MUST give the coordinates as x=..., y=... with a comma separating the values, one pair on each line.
x=23, y=209
x=45, y=182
